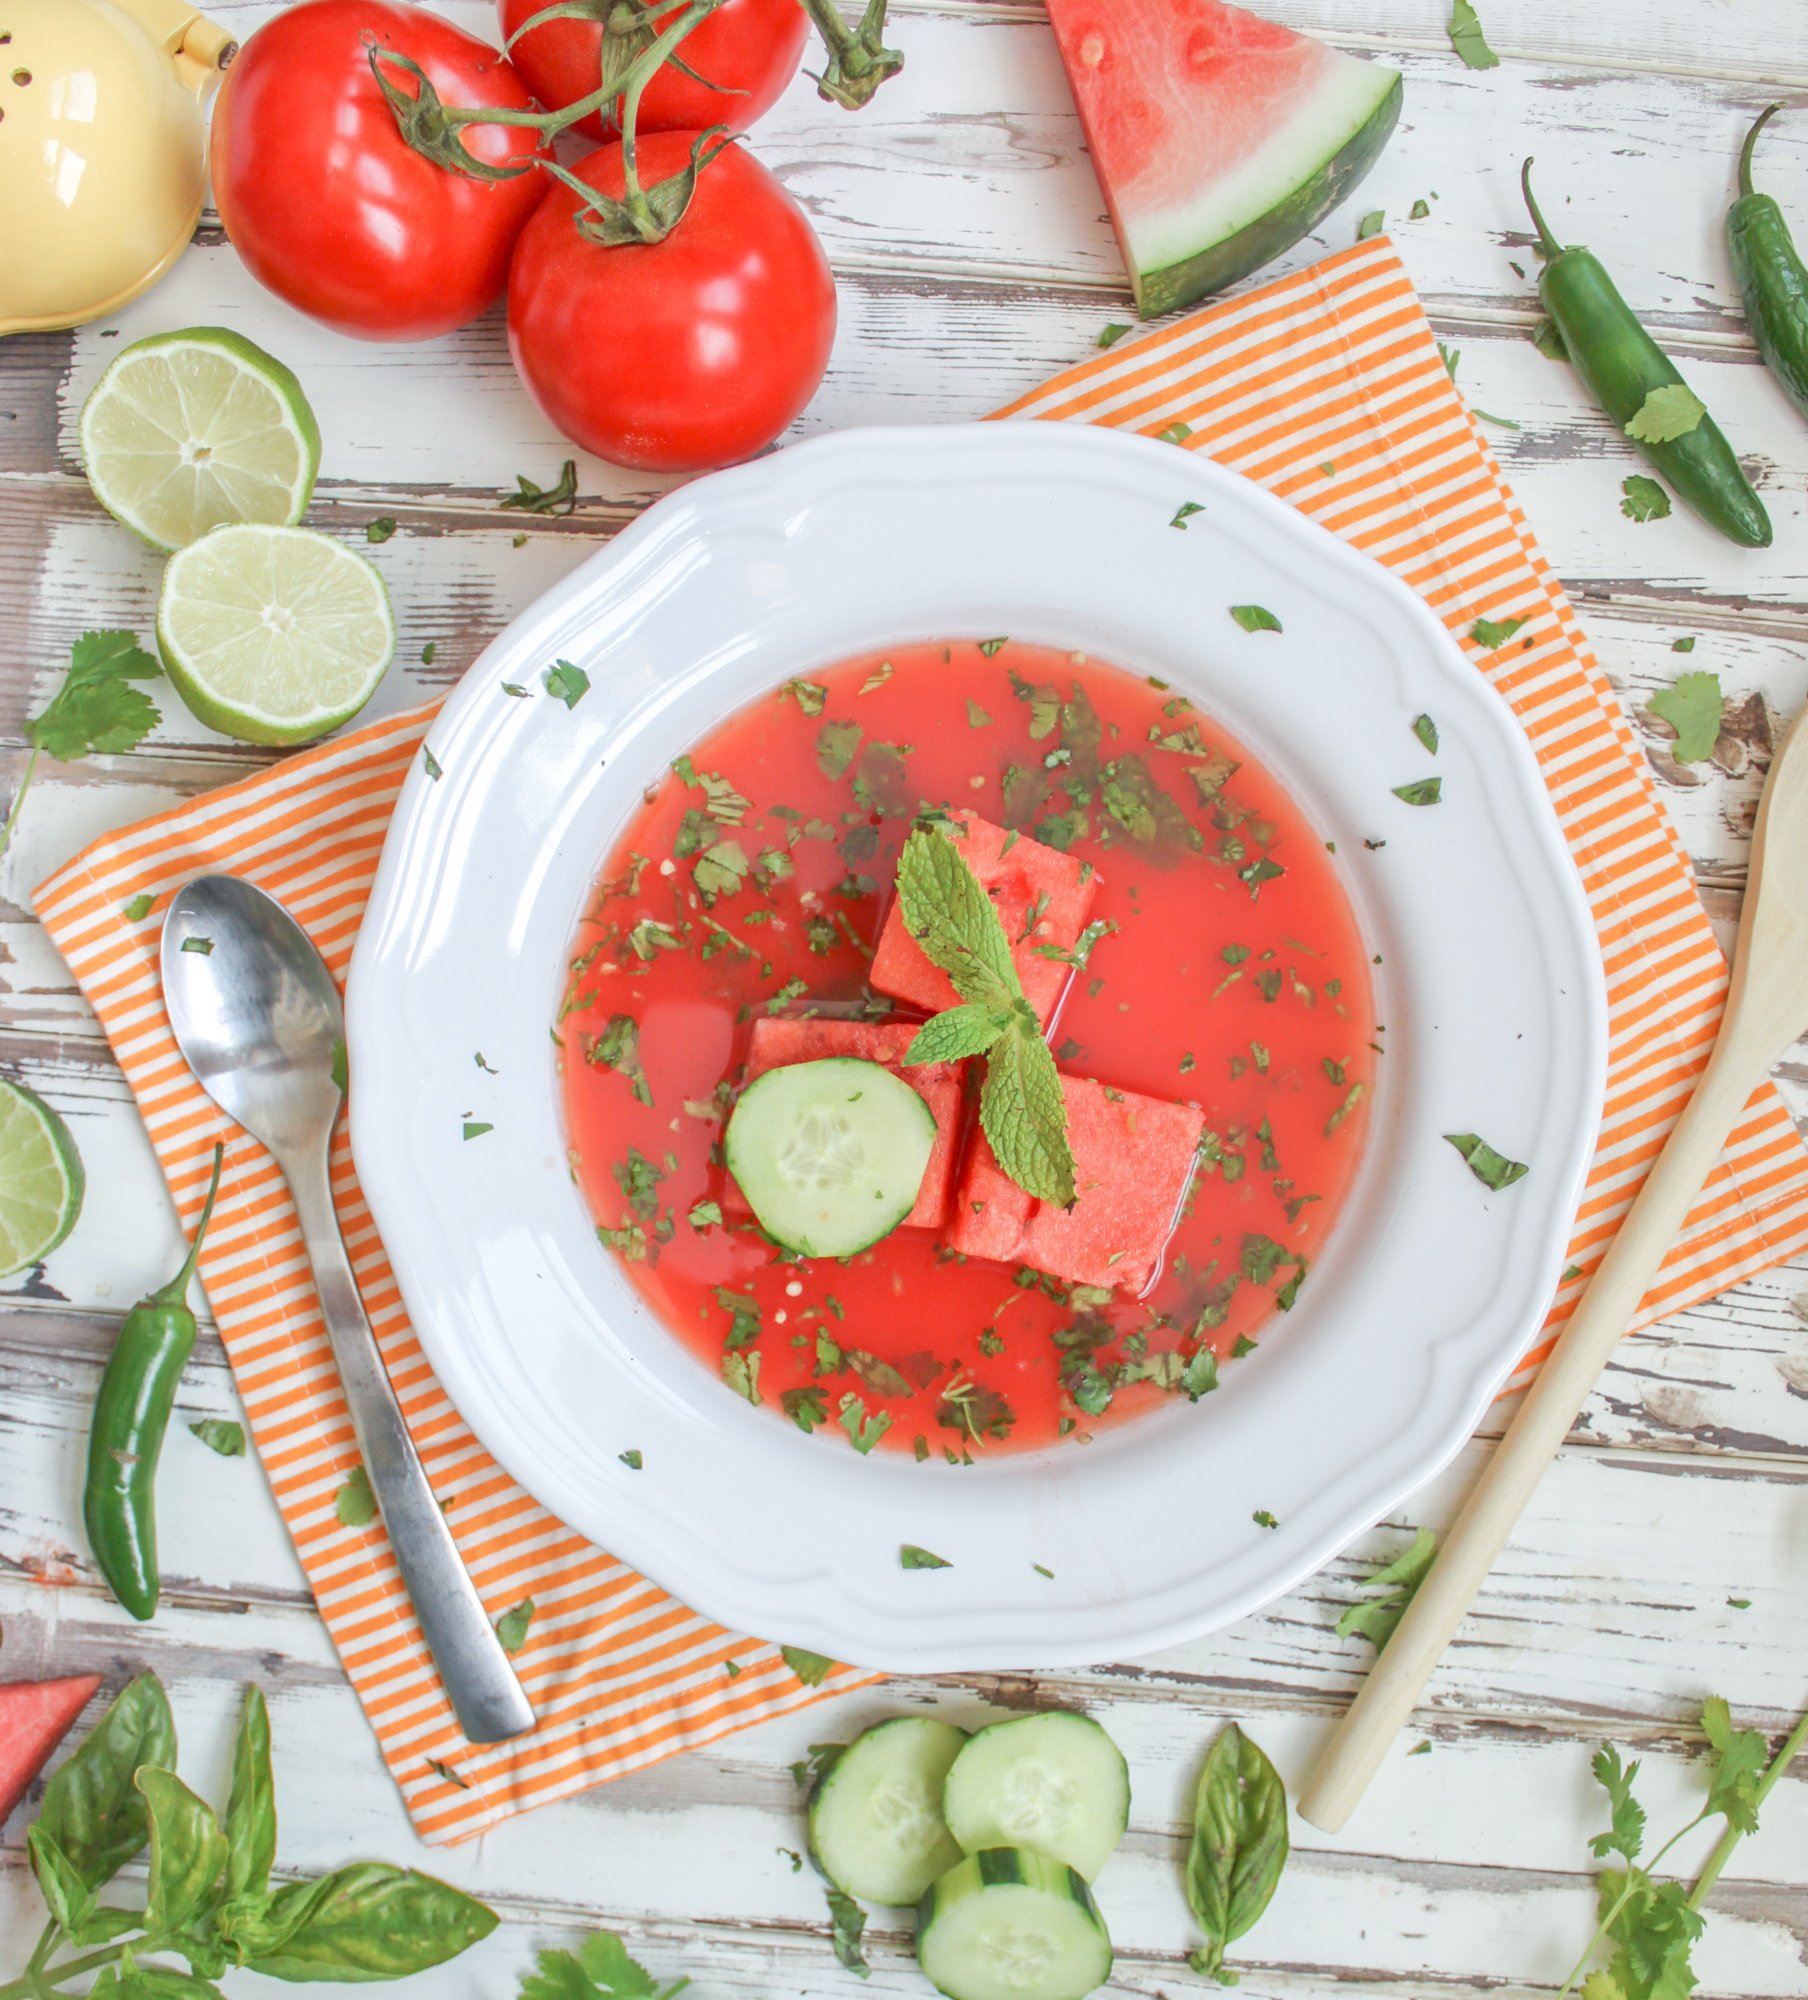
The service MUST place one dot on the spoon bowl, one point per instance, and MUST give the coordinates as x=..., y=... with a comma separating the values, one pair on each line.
x=255, y=1010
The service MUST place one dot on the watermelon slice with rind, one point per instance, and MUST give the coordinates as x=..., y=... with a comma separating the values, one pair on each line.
x=1219, y=138
x=35, y=1716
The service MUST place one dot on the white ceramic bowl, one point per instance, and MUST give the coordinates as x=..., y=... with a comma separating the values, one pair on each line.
x=1430, y=1287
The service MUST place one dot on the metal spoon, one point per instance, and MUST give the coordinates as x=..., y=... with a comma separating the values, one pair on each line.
x=258, y=1018
x=1766, y=1007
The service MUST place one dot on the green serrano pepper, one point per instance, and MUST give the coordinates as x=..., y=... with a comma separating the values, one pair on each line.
x=1773, y=281
x=131, y=1415
x=1621, y=365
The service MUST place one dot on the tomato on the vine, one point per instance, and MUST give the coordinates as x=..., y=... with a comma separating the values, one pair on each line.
x=328, y=204
x=684, y=354
x=748, y=49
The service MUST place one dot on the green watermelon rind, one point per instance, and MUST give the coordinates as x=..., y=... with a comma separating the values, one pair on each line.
x=1277, y=229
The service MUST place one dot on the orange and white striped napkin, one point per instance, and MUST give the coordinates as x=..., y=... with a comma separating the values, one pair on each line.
x=1326, y=387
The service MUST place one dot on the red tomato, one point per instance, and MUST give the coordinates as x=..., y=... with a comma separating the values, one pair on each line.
x=752, y=46
x=681, y=355
x=327, y=203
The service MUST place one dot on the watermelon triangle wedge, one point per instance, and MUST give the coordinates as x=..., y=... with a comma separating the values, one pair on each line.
x=35, y=1716
x=1219, y=138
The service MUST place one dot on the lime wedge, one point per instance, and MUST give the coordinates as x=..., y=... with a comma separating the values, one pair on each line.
x=41, y=1179
x=273, y=635
x=187, y=430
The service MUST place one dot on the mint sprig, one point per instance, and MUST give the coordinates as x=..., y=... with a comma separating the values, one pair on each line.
x=1021, y=1110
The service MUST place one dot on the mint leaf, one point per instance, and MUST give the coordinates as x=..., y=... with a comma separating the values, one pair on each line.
x=222, y=1435
x=1374, y=1618
x=1492, y=1169
x=1255, y=618
x=1667, y=414
x=955, y=1034
x=1467, y=39
x=139, y=908
x=810, y=1668
x=1185, y=512
x=954, y=920
x=531, y=499
x=1427, y=732
x=1024, y=1116
x=380, y=529
x=616, y=1046
x=96, y=711
x=847, y=1922
x=1371, y=224
x=1110, y=335
x=1421, y=792
x=912, y=1557
x=1645, y=500
x=1692, y=709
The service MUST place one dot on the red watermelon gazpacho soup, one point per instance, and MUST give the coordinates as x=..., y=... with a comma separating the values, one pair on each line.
x=967, y=1047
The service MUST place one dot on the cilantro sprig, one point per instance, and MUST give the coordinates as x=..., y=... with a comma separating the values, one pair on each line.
x=1021, y=1109
x=1648, y=1928
x=96, y=712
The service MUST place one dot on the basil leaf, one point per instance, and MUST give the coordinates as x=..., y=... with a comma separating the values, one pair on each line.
x=370, y=1921
x=188, y=1850
x=954, y=1035
x=67, y=1897
x=1239, y=1845
x=1466, y=37
x=251, y=1804
x=103, y=1925
x=163, y=1982
x=90, y=1807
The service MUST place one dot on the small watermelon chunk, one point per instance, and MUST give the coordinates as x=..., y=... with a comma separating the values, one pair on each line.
x=1220, y=139
x=777, y=1041
x=35, y=1716
x=1133, y=1161
x=1017, y=873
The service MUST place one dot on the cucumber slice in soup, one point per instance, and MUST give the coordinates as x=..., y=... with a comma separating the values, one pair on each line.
x=830, y=1154
x=876, y=1826
x=1055, y=1782
x=1012, y=1924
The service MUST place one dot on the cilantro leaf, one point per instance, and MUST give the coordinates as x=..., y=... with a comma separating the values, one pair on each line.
x=139, y=908
x=1467, y=39
x=1185, y=512
x=1255, y=618
x=570, y=684
x=1692, y=709
x=1493, y=633
x=1666, y=414
x=511, y=1627
x=600, y=1969
x=221, y=1435
x=1645, y=500
x=1626, y=1835
x=531, y=499
x=96, y=711
x=847, y=1921
x=355, y=1504
x=836, y=743
x=1110, y=335
x=1421, y=792
x=1492, y=1169
x=810, y=1668
x=1371, y=224
x=1740, y=1759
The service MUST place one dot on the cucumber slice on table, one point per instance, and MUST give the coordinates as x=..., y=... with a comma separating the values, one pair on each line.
x=876, y=1826
x=830, y=1154
x=1012, y=1924
x=1054, y=1782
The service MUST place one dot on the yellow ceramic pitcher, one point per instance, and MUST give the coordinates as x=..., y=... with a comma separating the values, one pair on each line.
x=103, y=159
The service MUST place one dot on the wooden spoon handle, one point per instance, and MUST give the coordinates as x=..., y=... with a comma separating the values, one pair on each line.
x=1561, y=1387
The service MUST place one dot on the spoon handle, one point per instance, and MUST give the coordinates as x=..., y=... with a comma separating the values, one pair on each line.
x=479, y=1681
x=1559, y=1390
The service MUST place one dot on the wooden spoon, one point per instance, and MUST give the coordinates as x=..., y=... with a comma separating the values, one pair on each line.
x=1766, y=1010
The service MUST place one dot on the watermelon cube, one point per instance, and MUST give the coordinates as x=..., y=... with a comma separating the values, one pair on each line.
x=1133, y=1158
x=35, y=1716
x=1219, y=138
x=1022, y=877
x=778, y=1041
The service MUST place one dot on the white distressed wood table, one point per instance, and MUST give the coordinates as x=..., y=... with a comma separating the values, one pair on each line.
x=1667, y=1553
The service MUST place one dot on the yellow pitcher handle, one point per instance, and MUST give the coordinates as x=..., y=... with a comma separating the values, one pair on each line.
x=201, y=49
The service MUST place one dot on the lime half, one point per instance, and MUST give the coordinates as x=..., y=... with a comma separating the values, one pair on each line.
x=273, y=635
x=41, y=1179
x=187, y=430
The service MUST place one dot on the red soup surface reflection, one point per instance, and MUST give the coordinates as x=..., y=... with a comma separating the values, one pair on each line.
x=1221, y=968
